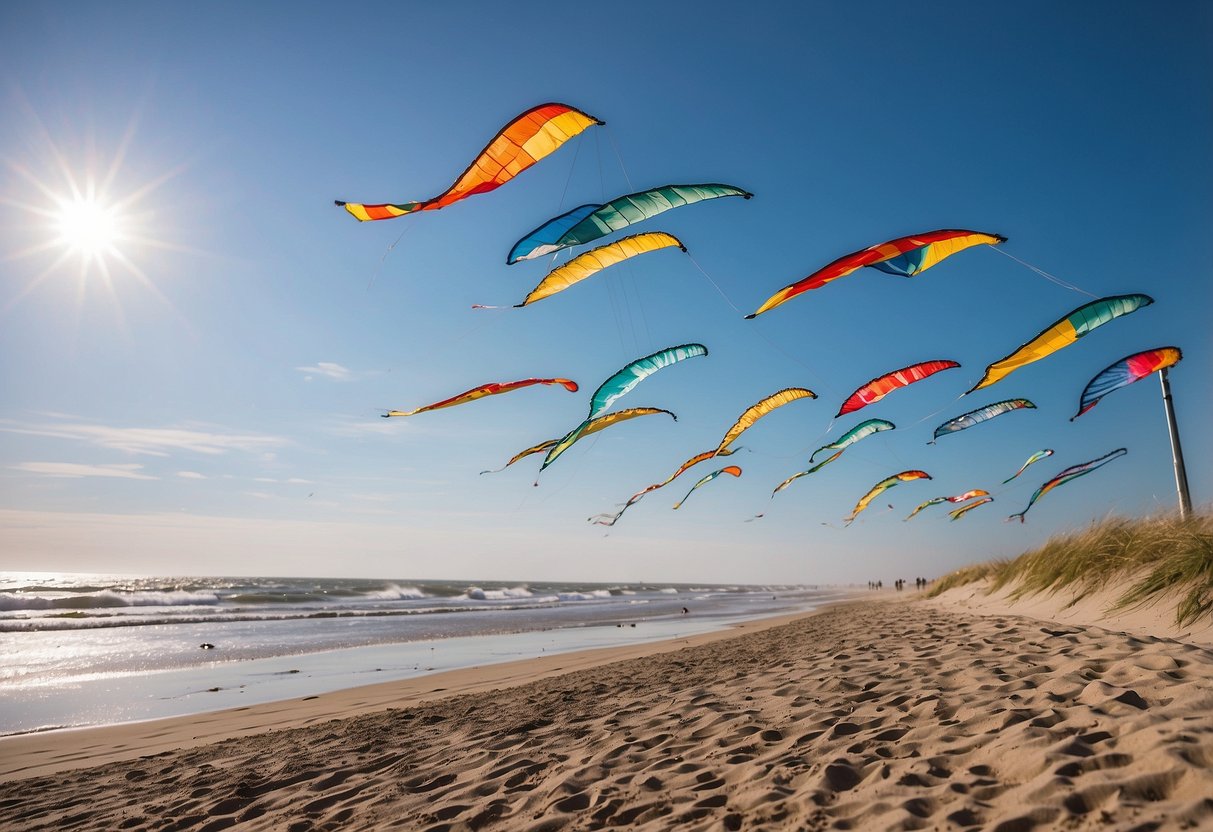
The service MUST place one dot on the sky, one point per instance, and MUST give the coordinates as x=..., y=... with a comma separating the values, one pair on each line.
x=203, y=393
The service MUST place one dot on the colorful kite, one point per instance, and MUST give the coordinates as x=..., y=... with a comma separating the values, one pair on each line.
x=731, y=470
x=618, y=385
x=485, y=390
x=611, y=519
x=1124, y=372
x=881, y=487
x=881, y=386
x=589, y=222
x=958, y=513
x=981, y=414
x=756, y=411
x=744, y=422
x=1062, y=333
x=959, y=498
x=1036, y=457
x=861, y=431
x=1071, y=473
x=520, y=144
x=906, y=256
x=627, y=378
x=594, y=261
x=595, y=425
x=812, y=470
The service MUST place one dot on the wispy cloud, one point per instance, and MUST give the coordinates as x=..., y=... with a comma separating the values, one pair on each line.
x=328, y=369
x=379, y=427
x=77, y=470
x=149, y=441
x=191, y=475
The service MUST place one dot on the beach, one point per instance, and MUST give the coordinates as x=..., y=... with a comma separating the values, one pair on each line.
x=891, y=713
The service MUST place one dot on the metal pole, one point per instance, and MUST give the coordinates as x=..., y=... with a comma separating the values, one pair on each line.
x=1177, y=454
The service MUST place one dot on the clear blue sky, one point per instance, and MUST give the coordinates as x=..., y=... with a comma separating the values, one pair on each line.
x=212, y=405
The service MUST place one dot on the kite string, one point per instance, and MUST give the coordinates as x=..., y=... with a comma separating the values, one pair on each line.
x=569, y=178
x=386, y=252
x=816, y=379
x=619, y=156
x=1044, y=274
x=937, y=412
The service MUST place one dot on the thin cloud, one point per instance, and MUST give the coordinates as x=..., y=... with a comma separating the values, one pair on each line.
x=328, y=369
x=191, y=475
x=379, y=427
x=150, y=441
x=76, y=470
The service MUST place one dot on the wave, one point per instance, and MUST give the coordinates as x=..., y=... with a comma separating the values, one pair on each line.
x=109, y=599
x=475, y=593
x=396, y=593
x=584, y=596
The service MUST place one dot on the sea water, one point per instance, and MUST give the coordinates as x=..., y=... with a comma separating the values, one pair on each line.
x=100, y=649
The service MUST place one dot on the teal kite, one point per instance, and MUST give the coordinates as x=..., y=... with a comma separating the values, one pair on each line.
x=586, y=223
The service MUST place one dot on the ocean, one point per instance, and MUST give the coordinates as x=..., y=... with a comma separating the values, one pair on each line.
x=101, y=649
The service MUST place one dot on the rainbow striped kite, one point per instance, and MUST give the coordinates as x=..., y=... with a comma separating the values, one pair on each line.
x=1124, y=372
x=520, y=144
x=905, y=256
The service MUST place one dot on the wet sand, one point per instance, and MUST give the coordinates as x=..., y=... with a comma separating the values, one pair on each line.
x=897, y=714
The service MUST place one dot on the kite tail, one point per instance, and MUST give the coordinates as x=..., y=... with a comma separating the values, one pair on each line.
x=1019, y=515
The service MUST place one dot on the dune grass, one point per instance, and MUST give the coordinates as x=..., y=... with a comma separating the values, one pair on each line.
x=1159, y=556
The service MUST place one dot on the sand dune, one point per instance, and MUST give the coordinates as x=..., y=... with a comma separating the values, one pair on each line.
x=896, y=715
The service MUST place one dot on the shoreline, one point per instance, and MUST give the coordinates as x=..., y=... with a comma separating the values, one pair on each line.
x=169, y=676
x=127, y=740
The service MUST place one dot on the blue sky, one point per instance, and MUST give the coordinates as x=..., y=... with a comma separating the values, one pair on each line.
x=211, y=405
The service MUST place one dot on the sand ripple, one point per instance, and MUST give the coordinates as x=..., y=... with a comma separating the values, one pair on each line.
x=875, y=716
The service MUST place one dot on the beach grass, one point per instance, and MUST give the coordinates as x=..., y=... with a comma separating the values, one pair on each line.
x=1158, y=556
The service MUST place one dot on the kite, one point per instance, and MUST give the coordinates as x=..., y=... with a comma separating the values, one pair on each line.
x=595, y=260
x=744, y=422
x=812, y=470
x=861, y=431
x=731, y=470
x=959, y=498
x=611, y=519
x=756, y=411
x=618, y=385
x=1124, y=372
x=879, y=387
x=1062, y=333
x=1071, y=473
x=589, y=222
x=594, y=426
x=958, y=513
x=882, y=486
x=906, y=256
x=485, y=390
x=1036, y=457
x=627, y=378
x=981, y=414
x=520, y=144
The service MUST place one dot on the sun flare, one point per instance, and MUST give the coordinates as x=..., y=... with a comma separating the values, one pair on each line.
x=89, y=227
x=93, y=218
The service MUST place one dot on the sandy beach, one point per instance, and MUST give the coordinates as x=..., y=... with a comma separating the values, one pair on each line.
x=882, y=714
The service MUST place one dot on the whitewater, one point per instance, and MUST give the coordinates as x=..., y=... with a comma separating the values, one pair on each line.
x=100, y=649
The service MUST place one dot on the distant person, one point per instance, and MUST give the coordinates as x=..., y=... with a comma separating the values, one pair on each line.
x=685, y=611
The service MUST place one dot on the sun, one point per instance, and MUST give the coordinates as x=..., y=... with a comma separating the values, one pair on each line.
x=89, y=228
x=90, y=220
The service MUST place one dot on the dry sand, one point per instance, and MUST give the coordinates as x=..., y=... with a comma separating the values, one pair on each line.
x=876, y=715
